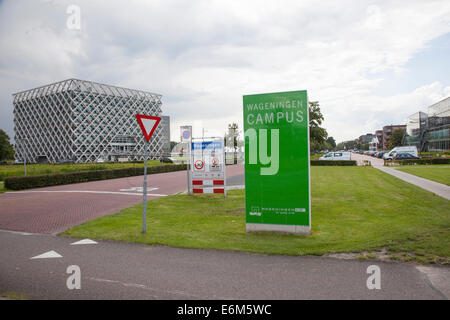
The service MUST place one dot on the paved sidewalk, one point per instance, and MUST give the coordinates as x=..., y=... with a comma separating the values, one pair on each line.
x=432, y=186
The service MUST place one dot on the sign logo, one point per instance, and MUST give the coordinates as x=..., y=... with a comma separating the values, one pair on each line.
x=274, y=159
x=199, y=164
x=186, y=134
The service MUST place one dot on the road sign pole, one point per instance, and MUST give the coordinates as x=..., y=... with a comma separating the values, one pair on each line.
x=224, y=173
x=148, y=126
x=144, y=192
x=188, y=161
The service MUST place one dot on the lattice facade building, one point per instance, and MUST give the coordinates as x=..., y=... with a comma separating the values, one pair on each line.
x=83, y=121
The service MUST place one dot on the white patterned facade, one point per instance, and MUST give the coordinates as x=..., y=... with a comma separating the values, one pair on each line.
x=83, y=121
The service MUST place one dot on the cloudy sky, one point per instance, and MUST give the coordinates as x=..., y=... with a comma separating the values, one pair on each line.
x=368, y=63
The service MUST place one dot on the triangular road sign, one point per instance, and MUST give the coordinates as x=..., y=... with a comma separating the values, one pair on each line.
x=148, y=125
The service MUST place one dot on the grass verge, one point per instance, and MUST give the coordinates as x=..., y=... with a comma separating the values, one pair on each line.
x=11, y=170
x=439, y=174
x=354, y=209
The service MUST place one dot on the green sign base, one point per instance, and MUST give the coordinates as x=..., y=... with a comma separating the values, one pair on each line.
x=256, y=227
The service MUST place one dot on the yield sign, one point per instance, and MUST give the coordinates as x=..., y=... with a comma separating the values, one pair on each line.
x=148, y=124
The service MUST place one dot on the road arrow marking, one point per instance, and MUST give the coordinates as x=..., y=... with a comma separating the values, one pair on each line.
x=84, y=241
x=49, y=254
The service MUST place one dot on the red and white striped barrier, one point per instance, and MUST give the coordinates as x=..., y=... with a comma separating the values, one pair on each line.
x=208, y=190
x=207, y=182
x=196, y=184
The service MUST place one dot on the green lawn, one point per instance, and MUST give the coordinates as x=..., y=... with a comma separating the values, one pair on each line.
x=37, y=169
x=354, y=209
x=439, y=174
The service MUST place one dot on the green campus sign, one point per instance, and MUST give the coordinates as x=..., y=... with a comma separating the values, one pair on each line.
x=277, y=176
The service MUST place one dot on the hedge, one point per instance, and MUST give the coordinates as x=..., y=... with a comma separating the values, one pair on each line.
x=20, y=183
x=333, y=163
x=417, y=161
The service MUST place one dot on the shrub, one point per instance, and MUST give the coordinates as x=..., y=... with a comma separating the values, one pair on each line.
x=417, y=161
x=20, y=183
x=333, y=163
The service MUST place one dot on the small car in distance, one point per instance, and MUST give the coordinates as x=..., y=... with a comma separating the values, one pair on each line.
x=166, y=160
x=403, y=156
x=336, y=156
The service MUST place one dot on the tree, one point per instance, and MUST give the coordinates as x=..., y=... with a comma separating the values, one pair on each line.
x=173, y=144
x=6, y=148
x=231, y=139
x=396, y=138
x=331, y=142
x=317, y=134
x=349, y=145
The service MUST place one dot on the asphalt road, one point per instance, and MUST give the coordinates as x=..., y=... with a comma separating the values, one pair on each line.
x=52, y=210
x=111, y=270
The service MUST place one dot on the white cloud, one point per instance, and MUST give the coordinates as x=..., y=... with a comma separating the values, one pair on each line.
x=204, y=55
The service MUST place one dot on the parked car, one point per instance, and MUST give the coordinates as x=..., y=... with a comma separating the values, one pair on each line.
x=402, y=156
x=166, y=160
x=380, y=154
x=399, y=150
x=336, y=156
x=42, y=159
x=65, y=161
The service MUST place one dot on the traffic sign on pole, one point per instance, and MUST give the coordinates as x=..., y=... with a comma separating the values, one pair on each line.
x=208, y=165
x=186, y=136
x=148, y=126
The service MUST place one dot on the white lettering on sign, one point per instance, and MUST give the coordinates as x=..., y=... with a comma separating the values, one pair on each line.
x=269, y=118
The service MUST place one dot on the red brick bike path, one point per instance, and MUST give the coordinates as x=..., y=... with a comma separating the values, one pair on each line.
x=54, y=209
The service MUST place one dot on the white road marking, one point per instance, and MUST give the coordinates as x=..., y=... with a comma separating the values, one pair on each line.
x=47, y=255
x=85, y=191
x=142, y=286
x=21, y=233
x=84, y=241
x=139, y=189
